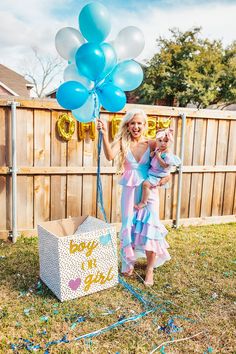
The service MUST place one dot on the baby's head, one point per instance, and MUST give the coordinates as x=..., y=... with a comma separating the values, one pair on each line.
x=164, y=138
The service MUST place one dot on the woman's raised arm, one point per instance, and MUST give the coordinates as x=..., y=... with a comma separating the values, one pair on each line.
x=110, y=151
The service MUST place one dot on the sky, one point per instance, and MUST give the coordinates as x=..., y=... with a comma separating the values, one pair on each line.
x=34, y=23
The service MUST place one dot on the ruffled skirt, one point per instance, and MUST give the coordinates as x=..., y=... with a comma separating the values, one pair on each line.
x=141, y=230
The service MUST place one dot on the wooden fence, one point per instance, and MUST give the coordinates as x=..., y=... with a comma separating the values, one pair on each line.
x=57, y=179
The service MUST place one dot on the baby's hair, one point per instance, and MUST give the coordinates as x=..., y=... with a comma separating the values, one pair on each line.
x=124, y=138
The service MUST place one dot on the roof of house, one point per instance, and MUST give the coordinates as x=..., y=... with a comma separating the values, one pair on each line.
x=13, y=82
x=51, y=93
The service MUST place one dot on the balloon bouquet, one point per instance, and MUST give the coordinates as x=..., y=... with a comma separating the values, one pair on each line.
x=98, y=72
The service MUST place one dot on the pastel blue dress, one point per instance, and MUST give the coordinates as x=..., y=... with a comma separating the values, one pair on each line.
x=141, y=230
x=156, y=171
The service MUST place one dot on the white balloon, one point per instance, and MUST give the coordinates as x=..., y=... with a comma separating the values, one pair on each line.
x=67, y=42
x=129, y=43
x=110, y=59
x=85, y=113
x=71, y=73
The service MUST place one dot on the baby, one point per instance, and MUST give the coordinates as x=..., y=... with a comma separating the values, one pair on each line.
x=162, y=160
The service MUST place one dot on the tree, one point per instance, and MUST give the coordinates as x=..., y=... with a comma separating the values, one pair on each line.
x=41, y=71
x=227, y=80
x=188, y=69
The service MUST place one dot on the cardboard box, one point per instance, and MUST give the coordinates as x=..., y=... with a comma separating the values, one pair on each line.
x=78, y=256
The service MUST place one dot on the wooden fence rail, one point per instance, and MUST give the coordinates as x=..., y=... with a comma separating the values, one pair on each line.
x=57, y=179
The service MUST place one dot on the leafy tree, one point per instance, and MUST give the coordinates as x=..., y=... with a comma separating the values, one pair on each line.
x=188, y=69
x=227, y=80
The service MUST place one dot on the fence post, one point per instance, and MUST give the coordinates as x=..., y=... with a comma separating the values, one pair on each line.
x=13, y=170
x=180, y=171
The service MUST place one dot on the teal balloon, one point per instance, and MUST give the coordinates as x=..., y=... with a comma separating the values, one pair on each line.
x=110, y=59
x=112, y=98
x=90, y=60
x=127, y=75
x=71, y=95
x=85, y=113
x=94, y=22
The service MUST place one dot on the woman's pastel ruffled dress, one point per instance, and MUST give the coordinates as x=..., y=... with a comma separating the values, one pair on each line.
x=141, y=230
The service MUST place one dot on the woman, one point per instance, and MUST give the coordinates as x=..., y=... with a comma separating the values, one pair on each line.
x=141, y=233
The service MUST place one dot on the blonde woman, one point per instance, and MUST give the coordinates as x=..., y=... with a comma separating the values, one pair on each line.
x=141, y=233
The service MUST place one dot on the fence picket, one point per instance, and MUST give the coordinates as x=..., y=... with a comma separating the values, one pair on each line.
x=230, y=178
x=221, y=159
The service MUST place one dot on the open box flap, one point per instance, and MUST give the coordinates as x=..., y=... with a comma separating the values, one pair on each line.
x=63, y=227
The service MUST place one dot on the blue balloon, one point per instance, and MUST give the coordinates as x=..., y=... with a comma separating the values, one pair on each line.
x=90, y=60
x=94, y=22
x=87, y=112
x=110, y=59
x=127, y=75
x=112, y=98
x=71, y=95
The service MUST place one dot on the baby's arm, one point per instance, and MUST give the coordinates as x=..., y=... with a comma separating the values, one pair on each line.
x=161, y=160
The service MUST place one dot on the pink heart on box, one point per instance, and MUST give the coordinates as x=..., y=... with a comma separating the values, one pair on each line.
x=74, y=283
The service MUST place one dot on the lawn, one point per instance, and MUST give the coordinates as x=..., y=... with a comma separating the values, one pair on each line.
x=192, y=304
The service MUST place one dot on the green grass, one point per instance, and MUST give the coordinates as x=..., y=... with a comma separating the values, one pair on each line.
x=196, y=289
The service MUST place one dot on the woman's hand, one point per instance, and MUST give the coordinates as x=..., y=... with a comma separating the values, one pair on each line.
x=110, y=151
x=101, y=125
x=152, y=153
x=164, y=180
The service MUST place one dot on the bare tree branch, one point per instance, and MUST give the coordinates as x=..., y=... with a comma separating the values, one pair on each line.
x=41, y=71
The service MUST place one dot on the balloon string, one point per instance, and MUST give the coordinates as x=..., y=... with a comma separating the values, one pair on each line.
x=99, y=147
x=99, y=182
x=100, y=202
x=96, y=110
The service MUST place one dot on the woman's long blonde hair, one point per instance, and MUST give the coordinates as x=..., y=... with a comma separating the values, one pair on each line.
x=123, y=137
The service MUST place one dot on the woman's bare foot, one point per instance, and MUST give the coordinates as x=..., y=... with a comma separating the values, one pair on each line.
x=140, y=205
x=149, y=277
x=129, y=273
